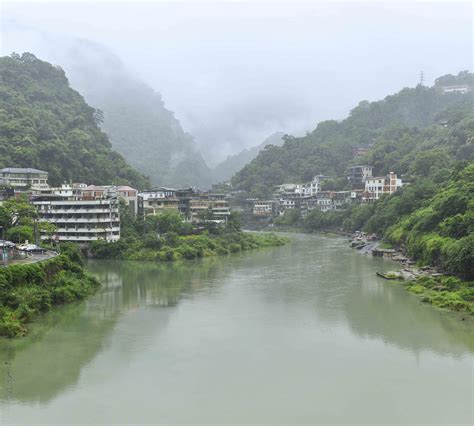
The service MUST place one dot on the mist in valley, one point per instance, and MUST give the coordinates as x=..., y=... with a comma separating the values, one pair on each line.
x=183, y=86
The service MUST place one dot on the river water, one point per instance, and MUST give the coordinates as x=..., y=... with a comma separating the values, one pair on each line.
x=304, y=333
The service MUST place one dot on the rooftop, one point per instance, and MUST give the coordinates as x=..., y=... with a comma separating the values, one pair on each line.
x=21, y=170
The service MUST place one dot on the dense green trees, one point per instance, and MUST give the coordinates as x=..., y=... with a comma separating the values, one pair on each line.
x=441, y=232
x=166, y=237
x=433, y=222
x=396, y=129
x=463, y=77
x=423, y=135
x=47, y=125
x=18, y=220
x=31, y=289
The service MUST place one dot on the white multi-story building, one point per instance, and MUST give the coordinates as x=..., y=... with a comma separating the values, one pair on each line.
x=262, y=208
x=76, y=218
x=315, y=185
x=462, y=88
x=80, y=220
x=125, y=193
x=287, y=204
x=324, y=201
x=20, y=178
x=375, y=187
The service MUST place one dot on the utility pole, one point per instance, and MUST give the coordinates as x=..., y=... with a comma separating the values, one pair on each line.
x=4, y=248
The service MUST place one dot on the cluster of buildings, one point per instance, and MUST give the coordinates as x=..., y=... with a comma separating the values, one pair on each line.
x=365, y=188
x=84, y=213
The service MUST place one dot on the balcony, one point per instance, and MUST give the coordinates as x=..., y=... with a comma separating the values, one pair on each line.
x=82, y=238
x=79, y=220
x=99, y=231
x=61, y=210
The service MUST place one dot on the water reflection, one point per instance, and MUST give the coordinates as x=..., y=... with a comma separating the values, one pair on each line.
x=39, y=366
x=50, y=358
x=338, y=286
x=316, y=283
x=343, y=289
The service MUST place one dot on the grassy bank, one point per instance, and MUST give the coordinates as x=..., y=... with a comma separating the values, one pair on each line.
x=445, y=292
x=172, y=246
x=29, y=290
x=165, y=237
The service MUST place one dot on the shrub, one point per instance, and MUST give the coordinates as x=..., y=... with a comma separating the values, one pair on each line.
x=187, y=251
x=234, y=248
x=416, y=288
x=30, y=289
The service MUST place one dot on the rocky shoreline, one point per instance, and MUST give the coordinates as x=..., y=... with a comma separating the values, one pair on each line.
x=370, y=244
x=432, y=285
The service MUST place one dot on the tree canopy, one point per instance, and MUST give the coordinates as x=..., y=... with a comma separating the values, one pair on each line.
x=393, y=130
x=47, y=125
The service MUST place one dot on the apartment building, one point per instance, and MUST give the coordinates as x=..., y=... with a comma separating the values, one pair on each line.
x=375, y=187
x=357, y=175
x=151, y=203
x=209, y=207
x=263, y=208
x=165, y=200
x=23, y=178
x=78, y=218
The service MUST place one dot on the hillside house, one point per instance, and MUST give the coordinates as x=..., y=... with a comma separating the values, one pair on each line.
x=357, y=175
x=375, y=187
x=23, y=178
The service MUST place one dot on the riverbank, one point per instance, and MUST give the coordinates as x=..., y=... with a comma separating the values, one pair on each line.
x=183, y=324
x=172, y=247
x=432, y=284
x=29, y=290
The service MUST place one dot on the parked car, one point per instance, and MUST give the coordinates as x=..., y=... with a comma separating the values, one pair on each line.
x=30, y=248
x=8, y=244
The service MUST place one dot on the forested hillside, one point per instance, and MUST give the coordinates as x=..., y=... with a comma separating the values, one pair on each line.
x=432, y=219
x=135, y=118
x=47, y=125
x=389, y=127
x=423, y=135
x=233, y=163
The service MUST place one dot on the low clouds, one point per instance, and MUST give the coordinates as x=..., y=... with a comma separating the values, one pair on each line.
x=234, y=73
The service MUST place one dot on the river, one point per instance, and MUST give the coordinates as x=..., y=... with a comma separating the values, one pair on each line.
x=304, y=333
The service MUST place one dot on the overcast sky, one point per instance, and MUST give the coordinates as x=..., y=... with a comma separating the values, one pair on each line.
x=237, y=71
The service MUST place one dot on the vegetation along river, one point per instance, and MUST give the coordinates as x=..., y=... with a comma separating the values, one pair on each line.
x=304, y=333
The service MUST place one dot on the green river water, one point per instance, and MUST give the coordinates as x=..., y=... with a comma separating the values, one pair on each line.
x=304, y=333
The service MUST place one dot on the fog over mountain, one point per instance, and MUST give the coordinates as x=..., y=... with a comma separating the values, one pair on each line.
x=235, y=72
x=233, y=163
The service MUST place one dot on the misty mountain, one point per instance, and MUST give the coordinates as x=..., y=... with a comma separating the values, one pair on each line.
x=389, y=129
x=46, y=124
x=233, y=163
x=134, y=117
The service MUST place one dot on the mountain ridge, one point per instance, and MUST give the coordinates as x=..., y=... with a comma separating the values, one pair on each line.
x=328, y=149
x=46, y=124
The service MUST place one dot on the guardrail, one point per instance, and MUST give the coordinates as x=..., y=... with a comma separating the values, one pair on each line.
x=27, y=259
